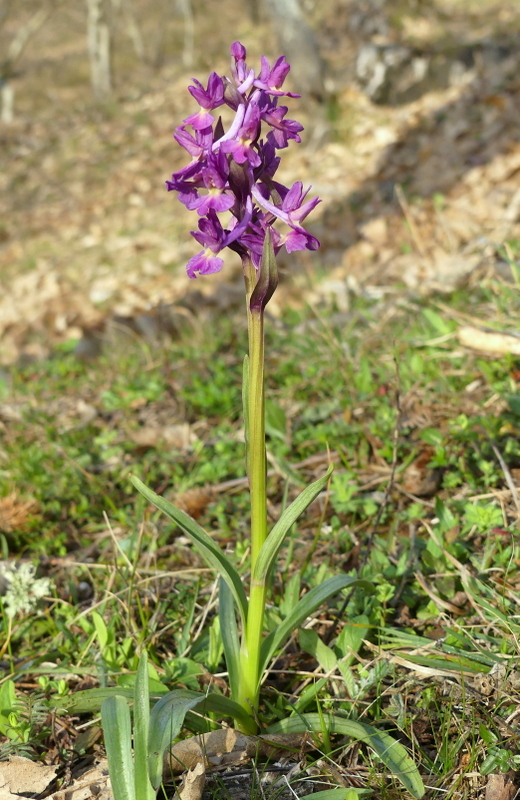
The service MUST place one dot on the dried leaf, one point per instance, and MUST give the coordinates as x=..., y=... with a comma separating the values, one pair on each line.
x=488, y=341
x=20, y=775
x=193, y=785
x=229, y=747
x=500, y=786
x=16, y=513
x=94, y=783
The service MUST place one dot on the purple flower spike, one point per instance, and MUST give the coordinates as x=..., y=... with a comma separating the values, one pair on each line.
x=233, y=172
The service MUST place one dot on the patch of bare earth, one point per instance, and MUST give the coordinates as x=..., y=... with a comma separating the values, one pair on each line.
x=420, y=194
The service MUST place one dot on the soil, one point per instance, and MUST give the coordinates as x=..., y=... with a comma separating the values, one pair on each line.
x=418, y=195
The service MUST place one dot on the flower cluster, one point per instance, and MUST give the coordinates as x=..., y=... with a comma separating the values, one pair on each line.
x=23, y=588
x=233, y=171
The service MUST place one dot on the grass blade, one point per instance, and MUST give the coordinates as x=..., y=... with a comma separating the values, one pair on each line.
x=303, y=609
x=117, y=730
x=392, y=753
x=211, y=553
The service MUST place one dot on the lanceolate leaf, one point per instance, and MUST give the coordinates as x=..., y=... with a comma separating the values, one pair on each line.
x=229, y=634
x=274, y=541
x=245, y=405
x=167, y=718
x=165, y=723
x=392, y=753
x=91, y=700
x=211, y=553
x=115, y=716
x=306, y=606
x=143, y=787
x=224, y=707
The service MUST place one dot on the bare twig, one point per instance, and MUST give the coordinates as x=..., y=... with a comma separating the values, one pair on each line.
x=508, y=477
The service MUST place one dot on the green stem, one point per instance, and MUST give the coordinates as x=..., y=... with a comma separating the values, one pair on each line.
x=249, y=685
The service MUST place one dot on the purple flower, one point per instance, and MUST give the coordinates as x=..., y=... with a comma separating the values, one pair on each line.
x=271, y=79
x=232, y=171
x=208, y=99
x=204, y=263
x=215, y=178
x=282, y=130
x=195, y=145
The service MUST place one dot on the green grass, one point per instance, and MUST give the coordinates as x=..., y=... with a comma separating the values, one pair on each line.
x=385, y=394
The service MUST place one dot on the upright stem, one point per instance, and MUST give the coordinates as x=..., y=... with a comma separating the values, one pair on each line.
x=257, y=473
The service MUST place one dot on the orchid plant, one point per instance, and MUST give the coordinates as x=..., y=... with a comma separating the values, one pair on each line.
x=233, y=172
x=230, y=184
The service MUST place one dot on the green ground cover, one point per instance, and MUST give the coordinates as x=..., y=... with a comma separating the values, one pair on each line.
x=424, y=436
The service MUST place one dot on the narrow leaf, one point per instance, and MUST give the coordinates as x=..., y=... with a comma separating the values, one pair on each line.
x=90, y=700
x=338, y=794
x=311, y=643
x=303, y=609
x=211, y=553
x=274, y=541
x=392, y=753
x=115, y=717
x=245, y=405
x=167, y=718
x=165, y=723
x=229, y=633
x=224, y=707
x=143, y=788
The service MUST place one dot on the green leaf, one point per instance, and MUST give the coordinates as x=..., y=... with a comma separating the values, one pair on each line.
x=291, y=595
x=165, y=723
x=513, y=401
x=143, y=788
x=275, y=420
x=275, y=539
x=7, y=703
x=229, y=633
x=91, y=700
x=115, y=717
x=446, y=519
x=224, y=707
x=338, y=794
x=392, y=753
x=168, y=715
x=441, y=324
x=351, y=638
x=211, y=553
x=303, y=609
x=311, y=643
x=245, y=405
x=101, y=630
